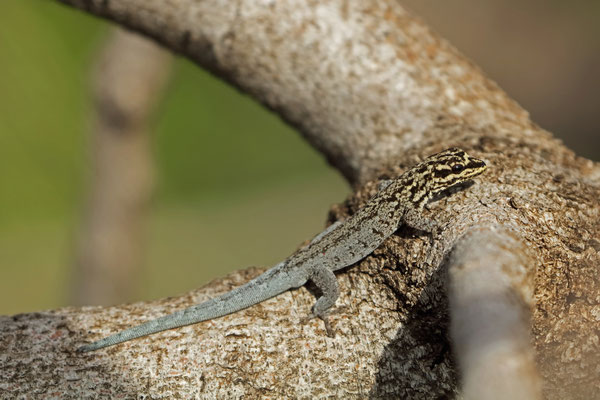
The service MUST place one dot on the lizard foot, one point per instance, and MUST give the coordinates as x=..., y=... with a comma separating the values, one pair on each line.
x=324, y=318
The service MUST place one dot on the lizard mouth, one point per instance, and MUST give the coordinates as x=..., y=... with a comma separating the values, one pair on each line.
x=476, y=166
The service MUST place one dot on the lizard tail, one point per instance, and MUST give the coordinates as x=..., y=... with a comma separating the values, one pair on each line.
x=257, y=290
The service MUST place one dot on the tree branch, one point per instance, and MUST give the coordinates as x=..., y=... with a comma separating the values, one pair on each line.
x=128, y=80
x=490, y=297
x=371, y=87
x=363, y=81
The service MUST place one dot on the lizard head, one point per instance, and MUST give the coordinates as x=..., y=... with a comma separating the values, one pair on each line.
x=443, y=170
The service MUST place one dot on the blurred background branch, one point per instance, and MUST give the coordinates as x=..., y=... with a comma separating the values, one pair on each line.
x=129, y=80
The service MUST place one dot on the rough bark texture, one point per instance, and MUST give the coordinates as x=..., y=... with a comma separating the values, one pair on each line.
x=371, y=87
x=363, y=81
x=129, y=77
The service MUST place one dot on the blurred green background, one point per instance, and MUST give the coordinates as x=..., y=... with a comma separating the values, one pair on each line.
x=228, y=170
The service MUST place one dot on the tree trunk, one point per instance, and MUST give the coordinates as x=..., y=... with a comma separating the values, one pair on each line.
x=374, y=90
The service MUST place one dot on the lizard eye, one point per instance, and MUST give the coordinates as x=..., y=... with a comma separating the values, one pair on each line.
x=457, y=167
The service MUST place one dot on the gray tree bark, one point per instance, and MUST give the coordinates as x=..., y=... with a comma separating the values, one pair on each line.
x=515, y=266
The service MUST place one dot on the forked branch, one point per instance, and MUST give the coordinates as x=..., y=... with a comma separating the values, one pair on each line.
x=373, y=89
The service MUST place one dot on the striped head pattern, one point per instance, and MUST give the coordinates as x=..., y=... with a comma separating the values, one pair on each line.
x=440, y=171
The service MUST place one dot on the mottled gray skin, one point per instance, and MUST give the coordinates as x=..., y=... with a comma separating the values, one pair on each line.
x=398, y=202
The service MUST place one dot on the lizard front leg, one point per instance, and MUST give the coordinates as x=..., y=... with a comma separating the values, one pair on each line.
x=325, y=280
x=415, y=219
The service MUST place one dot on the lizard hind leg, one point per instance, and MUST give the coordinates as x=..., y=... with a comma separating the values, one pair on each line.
x=325, y=280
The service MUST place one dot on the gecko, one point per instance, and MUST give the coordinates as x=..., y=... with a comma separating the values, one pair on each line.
x=398, y=201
